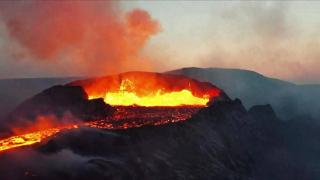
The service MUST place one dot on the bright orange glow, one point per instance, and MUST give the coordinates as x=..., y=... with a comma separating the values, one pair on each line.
x=26, y=139
x=140, y=99
x=125, y=117
x=149, y=89
x=127, y=97
x=30, y=138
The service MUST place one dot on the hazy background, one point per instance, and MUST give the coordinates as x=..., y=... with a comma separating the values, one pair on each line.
x=277, y=39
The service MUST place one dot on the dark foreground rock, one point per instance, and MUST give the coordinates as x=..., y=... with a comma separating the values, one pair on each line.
x=211, y=145
x=58, y=101
x=223, y=141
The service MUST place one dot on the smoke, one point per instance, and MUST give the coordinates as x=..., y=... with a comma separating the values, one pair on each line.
x=77, y=36
x=42, y=122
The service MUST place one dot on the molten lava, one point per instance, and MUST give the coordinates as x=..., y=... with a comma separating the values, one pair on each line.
x=126, y=96
x=149, y=90
x=125, y=117
x=139, y=99
x=26, y=139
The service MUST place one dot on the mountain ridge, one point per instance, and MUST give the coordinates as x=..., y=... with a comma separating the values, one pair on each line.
x=288, y=99
x=14, y=91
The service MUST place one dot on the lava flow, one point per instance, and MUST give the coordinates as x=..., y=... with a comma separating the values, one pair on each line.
x=139, y=98
x=30, y=138
x=123, y=118
x=149, y=90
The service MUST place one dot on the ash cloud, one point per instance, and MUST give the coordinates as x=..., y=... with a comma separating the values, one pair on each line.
x=81, y=37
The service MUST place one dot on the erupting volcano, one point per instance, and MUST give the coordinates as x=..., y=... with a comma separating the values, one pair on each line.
x=138, y=99
x=149, y=90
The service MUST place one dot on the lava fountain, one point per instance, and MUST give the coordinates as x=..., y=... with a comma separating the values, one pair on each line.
x=146, y=98
x=140, y=98
x=149, y=90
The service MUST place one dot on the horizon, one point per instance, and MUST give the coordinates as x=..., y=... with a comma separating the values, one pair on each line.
x=280, y=41
x=95, y=76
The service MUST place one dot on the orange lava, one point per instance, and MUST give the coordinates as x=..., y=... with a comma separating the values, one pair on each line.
x=26, y=139
x=124, y=118
x=30, y=138
x=140, y=98
x=149, y=90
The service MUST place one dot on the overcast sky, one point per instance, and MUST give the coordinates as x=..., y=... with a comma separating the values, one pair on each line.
x=277, y=39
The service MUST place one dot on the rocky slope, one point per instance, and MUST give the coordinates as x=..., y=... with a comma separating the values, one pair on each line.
x=288, y=99
x=211, y=145
x=222, y=141
x=15, y=91
x=56, y=103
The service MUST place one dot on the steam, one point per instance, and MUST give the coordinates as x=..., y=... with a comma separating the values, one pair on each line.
x=83, y=37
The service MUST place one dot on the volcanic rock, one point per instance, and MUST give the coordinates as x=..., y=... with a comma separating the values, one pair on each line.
x=223, y=141
x=59, y=100
x=210, y=145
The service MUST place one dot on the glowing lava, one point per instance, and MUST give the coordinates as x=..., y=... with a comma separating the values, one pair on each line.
x=149, y=90
x=126, y=97
x=30, y=138
x=26, y=139
x=125, y=117
x=140, y=99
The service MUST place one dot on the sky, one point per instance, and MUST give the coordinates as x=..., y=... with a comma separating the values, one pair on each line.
x=279, y=39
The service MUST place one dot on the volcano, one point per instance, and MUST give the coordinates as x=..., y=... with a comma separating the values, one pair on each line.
x=127, y=100
x=80, y=131
x=145, y=98
x=149, y=89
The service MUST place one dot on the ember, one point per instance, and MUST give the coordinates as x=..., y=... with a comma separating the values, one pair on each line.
x=135, y=116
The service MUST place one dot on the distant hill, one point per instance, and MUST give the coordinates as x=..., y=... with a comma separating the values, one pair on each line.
x=289, y=100
x=14, y=91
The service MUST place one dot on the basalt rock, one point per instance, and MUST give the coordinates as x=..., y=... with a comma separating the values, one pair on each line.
x=58, y=101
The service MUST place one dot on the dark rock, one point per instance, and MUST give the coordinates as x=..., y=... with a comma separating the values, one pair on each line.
x=58, y=101
x=211, y=145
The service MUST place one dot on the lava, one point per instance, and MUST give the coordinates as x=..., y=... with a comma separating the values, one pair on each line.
x=139, y=98
x=125, y=117
x=137, y=116
x=127, y=98
x=149, y=90
x=26, y=139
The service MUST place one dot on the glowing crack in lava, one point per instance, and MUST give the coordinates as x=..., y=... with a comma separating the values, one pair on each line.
x=139, y=98
x=149, y=90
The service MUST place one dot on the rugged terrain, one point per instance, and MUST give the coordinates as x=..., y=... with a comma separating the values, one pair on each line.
x=289, y=100
x=222, y=141
x=225, y=140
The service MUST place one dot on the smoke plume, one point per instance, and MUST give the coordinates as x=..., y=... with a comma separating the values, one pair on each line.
x=87, y=37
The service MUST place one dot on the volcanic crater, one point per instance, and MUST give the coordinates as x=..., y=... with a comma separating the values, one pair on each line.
x=127, y=100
